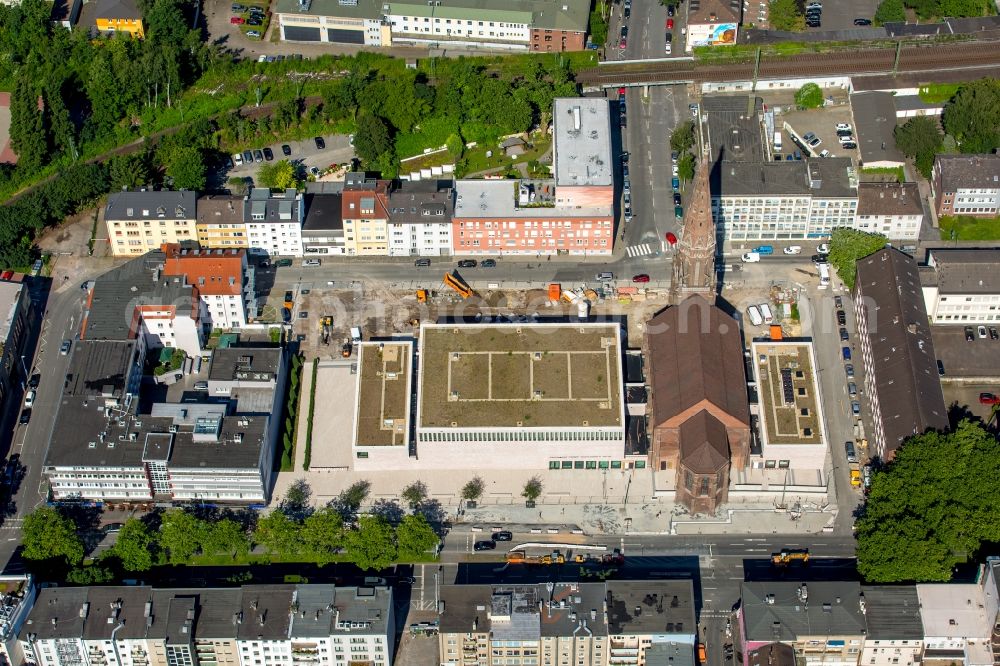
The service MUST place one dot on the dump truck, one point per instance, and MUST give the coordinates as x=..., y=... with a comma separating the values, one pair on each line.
x=326, y=326
x=458, y=284
x=786, y=557
x=289, y=299
x=855, y=476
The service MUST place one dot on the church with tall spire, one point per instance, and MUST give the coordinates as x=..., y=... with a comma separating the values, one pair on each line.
x=694, y=259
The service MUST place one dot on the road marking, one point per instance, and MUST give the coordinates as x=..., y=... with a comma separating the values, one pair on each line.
x=639, y=250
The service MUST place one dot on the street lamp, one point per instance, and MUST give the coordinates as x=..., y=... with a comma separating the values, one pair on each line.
x=24, y=370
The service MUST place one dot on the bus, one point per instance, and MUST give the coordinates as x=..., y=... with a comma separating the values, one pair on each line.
x=824, y=275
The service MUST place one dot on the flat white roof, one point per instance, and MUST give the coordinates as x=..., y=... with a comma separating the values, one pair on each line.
x=498, y=198
x=581, y=129
x=955, y=610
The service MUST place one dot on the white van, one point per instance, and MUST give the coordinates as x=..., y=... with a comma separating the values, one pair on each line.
x=824, y=275
x=765, y=310
x=751, y=257
x=777, y=142
x=754, y=315
x=355, y=335
x=311, y=262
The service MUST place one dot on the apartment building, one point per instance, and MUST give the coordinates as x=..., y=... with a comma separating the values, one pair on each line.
x=874, y=113
x=966, y=185
x=143, y=220
x=790, y=200
x=823, y=621
x=585, y=624
x=274, y=222
x=901, y=380
x=365, y=214
x=712, y=23
x=895, y=635
x=891, y=209
x=256, y=625
x=17, y=316
x=522, y=25
x=137, y=299
x=222, y=280
x=958, y=621
x=420, y=218
x=17, y=596
x=112, y=16
x=220, y=221
x=503, y=217
x=962, y=286
x=583, y=165
x=109, y=442
x=323, y=227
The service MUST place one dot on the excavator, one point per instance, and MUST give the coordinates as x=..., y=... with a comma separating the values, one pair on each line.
x=786, y=557
x=458, y=284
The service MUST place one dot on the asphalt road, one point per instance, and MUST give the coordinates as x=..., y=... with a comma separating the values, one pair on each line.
x=646, y=31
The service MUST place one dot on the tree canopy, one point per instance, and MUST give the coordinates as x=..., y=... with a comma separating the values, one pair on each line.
x=279, y=175
x=973, y=116
x=849, y=245
x=889, y=11
x=909, y=535
x=809, y=96
x=134, y=546
x=415, y=537
x=921, y=139
x=47, y=534
x=682, y=138
x=785, y=15
x=371, y=545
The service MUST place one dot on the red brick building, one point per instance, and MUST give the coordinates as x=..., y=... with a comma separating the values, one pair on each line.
x=544, y=40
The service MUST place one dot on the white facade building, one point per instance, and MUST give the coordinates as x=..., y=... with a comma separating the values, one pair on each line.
x=420, y=218
x=895, y=633
x=274, y=222
x=962, y=286
x=958, y=621
x=891, y=209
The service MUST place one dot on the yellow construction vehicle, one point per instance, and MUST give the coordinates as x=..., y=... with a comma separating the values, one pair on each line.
x=346, y=350
x=422, y=295
x=458, y=284
x=786, y=557
x=855, y=476
x=326, y=328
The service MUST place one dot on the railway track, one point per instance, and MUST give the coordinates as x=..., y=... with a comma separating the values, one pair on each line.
x=913, y=58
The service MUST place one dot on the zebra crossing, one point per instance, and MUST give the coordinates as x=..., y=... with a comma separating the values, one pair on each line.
x=645, y=249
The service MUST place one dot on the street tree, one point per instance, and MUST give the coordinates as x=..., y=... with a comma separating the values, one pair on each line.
x=532, y=489
x=134, y=546
x=890, y=11
x=323, y=535
x=225, y=536
x=809, y=96
x=849, y=245
x=682, y=138
x=686, y=166
x=907, y=536
x=47, y=534
x=372, y=545
x=181, y=535
x=785, y=15
x=414, y=494
x=972, y=116
x=415, y=537
x=279, y=534
x=187, y=168
x=295, y=503
x=920, y=139
x=473, y=490
x=349, y=501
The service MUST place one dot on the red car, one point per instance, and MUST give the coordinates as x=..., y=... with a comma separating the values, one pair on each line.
x=988, y=399
x=640, y=278
x=671, y=238
x=670, y=24
x=237, y=20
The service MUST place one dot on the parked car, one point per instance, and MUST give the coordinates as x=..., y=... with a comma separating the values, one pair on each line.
x=849, y=145
x=254, y=34
x=25, y=416
x=503, y=535
x=628, y=212
x=820, y=259
x=677, y=198
x=670, y=10
x=670, y=24
x=621, y=94
x=793, y=249
x=849, y=371
x=258, y=156
x=989, y=399
x=237, y=20
x=841, y=318
x=34, y=381
x=982, y=332
x=489, y=263
x=604, y=276
x=765, y=312
x=844, y=336
x=642, y=277
x=422, y=263
x=286, y=315
x=838, y=302
x=247, y=157
x=754, y=315
x=843, y=126
x=862, y=21
x=855, y=408
x=764, y=249
x=268, y=154
x=846, y=352
x=320, y=143
x=485, y=545
x=993, y=333
x=467, y=263
x=852, y=455
x=668, y=49
x=286, y=150
x=940, y=368
x=815, y=141
x=970, y=334
x=253, y=20
x=852, y=389
x=808, y=136
x=65, y=347
x=238, y=8
x=678, y=212
x=750, y=257
x=29, y=399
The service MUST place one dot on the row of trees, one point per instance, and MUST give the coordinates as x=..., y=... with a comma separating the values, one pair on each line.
x=932, y=507
x=895, y=10
x=294, y=532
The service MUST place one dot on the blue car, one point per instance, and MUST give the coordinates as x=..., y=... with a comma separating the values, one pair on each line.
x=847, y=353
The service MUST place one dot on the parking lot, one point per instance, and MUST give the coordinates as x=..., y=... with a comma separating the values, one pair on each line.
x=821, y=122
x=338, y=150
x=840, y=14
x=962, y=360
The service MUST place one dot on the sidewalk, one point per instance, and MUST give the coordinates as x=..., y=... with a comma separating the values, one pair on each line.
x=303, y=417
